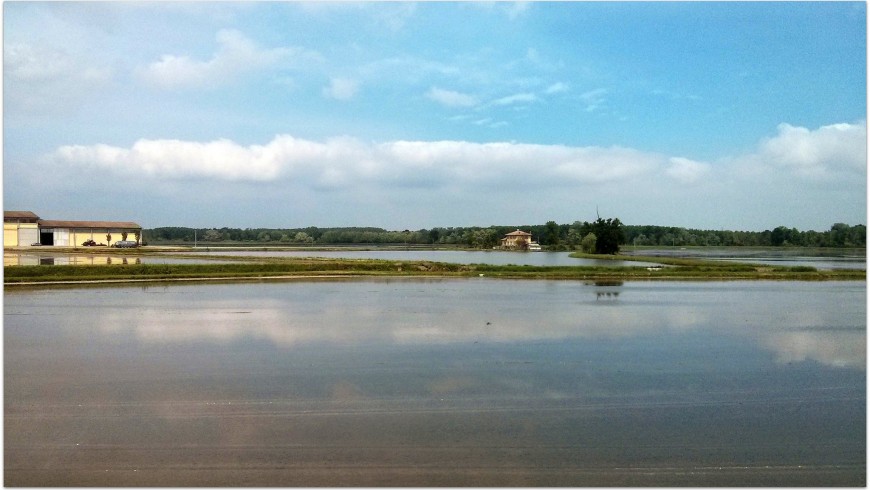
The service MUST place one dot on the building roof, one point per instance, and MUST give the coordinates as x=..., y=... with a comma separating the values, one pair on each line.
x=19, y=215
x=518, y=233
x=50, y=223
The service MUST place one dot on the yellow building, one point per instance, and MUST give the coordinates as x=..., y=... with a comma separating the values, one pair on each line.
x=20, y=228
x=517, y=240
x=24, y=228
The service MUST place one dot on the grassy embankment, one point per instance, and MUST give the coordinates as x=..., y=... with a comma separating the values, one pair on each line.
x=250, y=268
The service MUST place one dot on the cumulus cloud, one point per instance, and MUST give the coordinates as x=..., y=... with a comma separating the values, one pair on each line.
x=341, y=89
x=450, y=98
x=819, y=153
x=478, y=173
x=236, y=54
x=685, y=170
x=342, y=161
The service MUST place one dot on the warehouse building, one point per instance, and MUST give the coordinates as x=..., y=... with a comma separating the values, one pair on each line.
x=24, y=228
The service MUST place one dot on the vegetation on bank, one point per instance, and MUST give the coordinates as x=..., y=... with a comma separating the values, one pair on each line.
x=311, y=267
x=551, y=235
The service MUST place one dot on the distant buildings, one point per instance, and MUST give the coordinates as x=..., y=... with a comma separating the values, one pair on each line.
x=24, y=228
x=519, y=240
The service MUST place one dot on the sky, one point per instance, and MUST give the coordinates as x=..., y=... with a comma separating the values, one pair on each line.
x=709, y=115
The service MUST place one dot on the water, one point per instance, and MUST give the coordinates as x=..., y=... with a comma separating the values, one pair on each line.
x=50, y=258
x=409, y=382
x=545, y=259
x=825, y=259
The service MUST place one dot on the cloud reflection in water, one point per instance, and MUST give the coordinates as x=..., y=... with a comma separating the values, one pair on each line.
x=795, y=323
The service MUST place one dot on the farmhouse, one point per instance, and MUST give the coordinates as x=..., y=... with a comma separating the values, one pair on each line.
x=519, y=240
x=24, y=228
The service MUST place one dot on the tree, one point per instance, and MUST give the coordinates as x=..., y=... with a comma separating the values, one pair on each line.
x=588, y=243
x=609, y=235
x=302, y=237
x=485, y=238
x=552, y=236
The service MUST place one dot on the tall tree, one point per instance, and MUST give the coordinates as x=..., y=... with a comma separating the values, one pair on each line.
x=552, y=233
x=609, y=235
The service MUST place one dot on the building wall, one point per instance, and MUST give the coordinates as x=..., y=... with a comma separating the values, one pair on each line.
x=61, y=237
x=10, y=234
x=20, y=234
x=80, y=235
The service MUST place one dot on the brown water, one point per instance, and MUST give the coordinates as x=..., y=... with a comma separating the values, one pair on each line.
x=437, y=382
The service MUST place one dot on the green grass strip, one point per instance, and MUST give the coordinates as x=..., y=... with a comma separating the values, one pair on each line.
x=677, y=269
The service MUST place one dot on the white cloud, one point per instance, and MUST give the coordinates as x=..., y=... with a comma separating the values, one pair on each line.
x=450, y=98
x=38, y=78
x=35, y=64
x=341, y=89
x=816, y=154
x=685, y=170
x=557, y=88
x=522, y=98
x=236, y=54
x=341, y=161
x=515, y=9
x=394, y=16
x=414, y=178
x=29, y=63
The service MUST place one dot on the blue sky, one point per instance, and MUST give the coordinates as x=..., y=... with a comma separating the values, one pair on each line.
x=712, y=115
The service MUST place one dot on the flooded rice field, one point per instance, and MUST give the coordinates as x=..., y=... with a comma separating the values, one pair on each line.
x=60, y=258
x=490, y=257
x=822, y=259
x=457, y=382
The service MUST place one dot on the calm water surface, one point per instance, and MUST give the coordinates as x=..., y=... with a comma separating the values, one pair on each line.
x=53, y=258
x=827, y=259
x=437, y=382
x=491, y=257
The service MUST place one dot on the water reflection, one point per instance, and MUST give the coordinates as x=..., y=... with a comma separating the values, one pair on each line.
x=607, y=290
x=839, y=348
x=68, y=259
x=821, y=322
x=457, y=382
x=50, y=258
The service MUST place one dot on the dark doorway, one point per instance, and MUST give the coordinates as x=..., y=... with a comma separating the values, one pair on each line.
x=46, y=237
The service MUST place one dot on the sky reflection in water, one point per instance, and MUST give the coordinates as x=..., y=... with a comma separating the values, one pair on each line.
x=796, y=321
x=440, y=381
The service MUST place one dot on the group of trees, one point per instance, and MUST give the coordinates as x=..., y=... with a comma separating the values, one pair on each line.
x=839, y=235
x=600, y=236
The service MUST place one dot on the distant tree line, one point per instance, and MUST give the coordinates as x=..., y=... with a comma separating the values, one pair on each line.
x=600, y=236
x=839, y=235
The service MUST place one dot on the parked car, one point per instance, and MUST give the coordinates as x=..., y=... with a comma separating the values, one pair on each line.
x=126, y=244
x=89, y=243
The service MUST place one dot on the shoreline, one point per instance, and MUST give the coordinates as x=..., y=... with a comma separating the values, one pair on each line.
x=39, y=276
x=686, y=267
